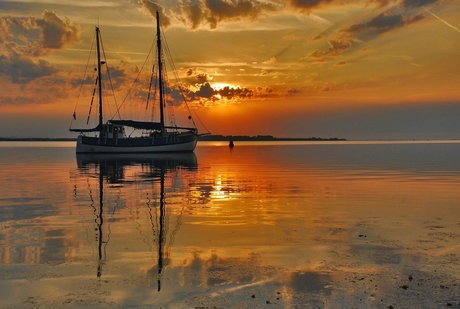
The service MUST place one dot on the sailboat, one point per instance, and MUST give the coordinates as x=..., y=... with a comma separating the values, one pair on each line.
x=111, y=137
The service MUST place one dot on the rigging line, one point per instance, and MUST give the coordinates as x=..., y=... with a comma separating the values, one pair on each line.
x=135, y=80
x=150, y=87
x=181, y=88
x=110, y=79
x=139, y=112
x=94, y=211
x=82, y=81
x=178, y=223
x=109, y=229
x=152, y=115
x=92, y=100
x=174, y=70
x=140, y=231
x=154, y=83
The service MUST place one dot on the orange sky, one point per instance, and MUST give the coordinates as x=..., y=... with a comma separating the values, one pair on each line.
x=373, y=69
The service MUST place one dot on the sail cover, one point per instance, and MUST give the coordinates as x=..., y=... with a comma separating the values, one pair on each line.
x=96, y=129
x=145, y=125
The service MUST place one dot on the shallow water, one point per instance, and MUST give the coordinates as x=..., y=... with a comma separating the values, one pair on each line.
x=285, y=225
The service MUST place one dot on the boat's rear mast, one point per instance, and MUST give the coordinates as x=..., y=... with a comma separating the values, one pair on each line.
x=99, y=77
x=160, y=72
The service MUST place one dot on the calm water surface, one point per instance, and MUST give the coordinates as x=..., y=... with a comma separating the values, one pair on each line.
x=275, y=225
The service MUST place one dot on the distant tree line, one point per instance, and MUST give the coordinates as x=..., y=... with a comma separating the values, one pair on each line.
x=263, y=138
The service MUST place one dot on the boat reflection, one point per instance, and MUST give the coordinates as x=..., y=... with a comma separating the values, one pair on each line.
x=118, y=169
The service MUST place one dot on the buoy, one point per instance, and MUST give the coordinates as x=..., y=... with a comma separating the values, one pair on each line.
x=230, y=144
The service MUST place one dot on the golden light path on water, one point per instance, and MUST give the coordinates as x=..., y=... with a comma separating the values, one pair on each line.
x=345, y=224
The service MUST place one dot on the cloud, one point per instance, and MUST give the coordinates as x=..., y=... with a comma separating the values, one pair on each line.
x=57, y=33
x=272, y=60
x=4, y=32
x=46, y=90
x=53, y=33
x=307, y=5
x=205, y=91
x=213, y=12
x=206, y=95
x=20, y=63
x=152, y=7
x=405, y=3
x=336, y=48
x=384, y=22
x=26, y=24
x=417, y=3
x=77, y=82
x=342, y=63
x=22, y=70
x=198, y=13
x=198, y=76
x=318, y=37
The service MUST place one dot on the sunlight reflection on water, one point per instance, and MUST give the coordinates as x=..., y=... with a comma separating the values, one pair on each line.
x=285, y=224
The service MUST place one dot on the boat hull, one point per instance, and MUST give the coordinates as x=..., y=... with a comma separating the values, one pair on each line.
x=175, y=143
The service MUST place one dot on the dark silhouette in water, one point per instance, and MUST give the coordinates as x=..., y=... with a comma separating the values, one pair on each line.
x=231, y=145
x=111, y=168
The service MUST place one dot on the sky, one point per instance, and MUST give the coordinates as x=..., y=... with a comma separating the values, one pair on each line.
x=360, y=70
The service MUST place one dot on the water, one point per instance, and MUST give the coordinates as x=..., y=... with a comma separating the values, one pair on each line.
x=284, y=225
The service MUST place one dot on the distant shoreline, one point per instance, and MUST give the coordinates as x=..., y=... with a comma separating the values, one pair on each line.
x=37, y=139
x=211, y=138
x=263, y=138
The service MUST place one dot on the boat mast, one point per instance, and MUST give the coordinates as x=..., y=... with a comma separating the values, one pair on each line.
x=99, y=76
x=160, y=72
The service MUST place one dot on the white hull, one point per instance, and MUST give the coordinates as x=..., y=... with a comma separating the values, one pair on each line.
x=174, y=147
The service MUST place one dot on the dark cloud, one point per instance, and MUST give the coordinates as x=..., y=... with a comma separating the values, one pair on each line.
x=40, y=36
x=197, y=13
x=307, y=5
x=405, y=3
x=214, y=11
x=342, y=63
x=318, y=37
x=206, y=94
x=193, y=13
x=20, y=62
x=16, y=99
x=336, y=48
x=152, y=7
x=26, y=24
x=384, y=22
x=417, y=3
x=231, y=93
x=22, y=70
x=57, y=33
x=82, y=81
x=293, y=91
x=198, y=77
x=39, y=91
x=4, y=32
x=206, y=91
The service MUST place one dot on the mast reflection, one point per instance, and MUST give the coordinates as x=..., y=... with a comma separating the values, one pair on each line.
x=113, y=169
